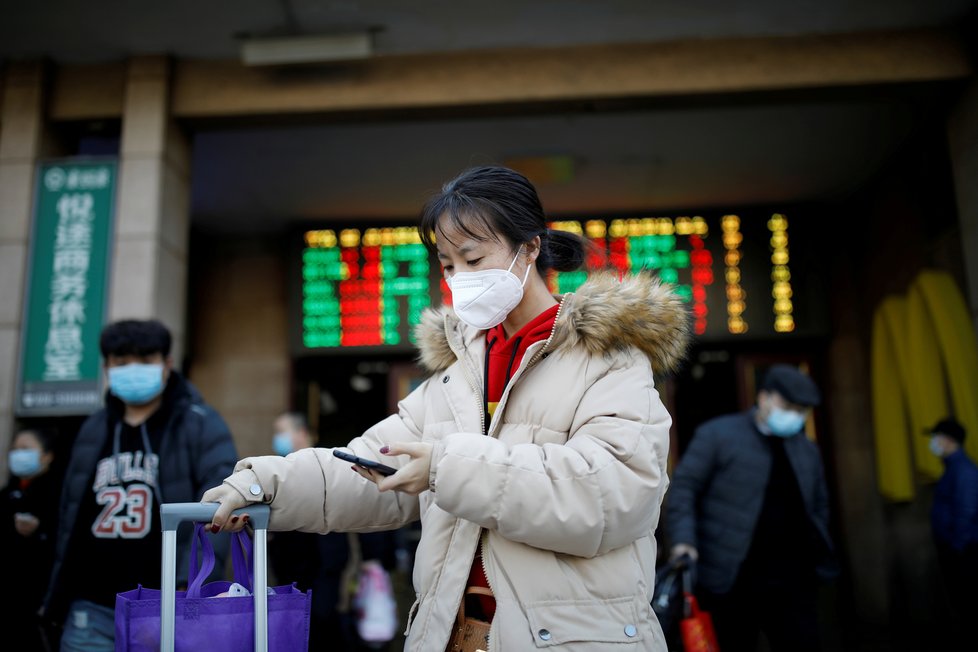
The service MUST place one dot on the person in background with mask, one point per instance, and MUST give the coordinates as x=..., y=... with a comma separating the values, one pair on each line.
x=310, y=560
x=29, y=512
x=154, y=441
x=291, y=434
x=954, y=521
x=323, y=563
x=534, y=454
x=749, y=504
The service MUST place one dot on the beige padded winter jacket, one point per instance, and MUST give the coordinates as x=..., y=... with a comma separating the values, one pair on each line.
x=563, y=495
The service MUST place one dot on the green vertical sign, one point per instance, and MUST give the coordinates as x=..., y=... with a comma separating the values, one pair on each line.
x=60, y=371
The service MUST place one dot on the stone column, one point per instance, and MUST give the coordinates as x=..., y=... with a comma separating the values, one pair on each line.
x=152, y=222
x=864, y=548
x=963, y=141
x=21, y=142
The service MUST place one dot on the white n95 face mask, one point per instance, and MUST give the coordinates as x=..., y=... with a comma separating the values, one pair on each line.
x=483, y=299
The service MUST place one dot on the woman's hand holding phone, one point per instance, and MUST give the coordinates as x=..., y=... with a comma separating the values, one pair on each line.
x=412, y=478
x=364, y=463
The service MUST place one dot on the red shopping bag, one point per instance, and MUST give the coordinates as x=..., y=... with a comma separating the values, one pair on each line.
x=697, y=628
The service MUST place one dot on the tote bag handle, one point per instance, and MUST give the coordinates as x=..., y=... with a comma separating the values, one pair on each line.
x=172, y=515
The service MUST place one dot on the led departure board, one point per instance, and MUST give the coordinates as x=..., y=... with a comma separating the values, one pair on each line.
x=363, y=288
x=368, y=287
x=680, y=251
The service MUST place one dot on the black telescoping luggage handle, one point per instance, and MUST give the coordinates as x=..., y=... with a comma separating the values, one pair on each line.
x=172, y=515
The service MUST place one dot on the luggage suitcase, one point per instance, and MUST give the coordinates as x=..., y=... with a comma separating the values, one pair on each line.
x=172, y=515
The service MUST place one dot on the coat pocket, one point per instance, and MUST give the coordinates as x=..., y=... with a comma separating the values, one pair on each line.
x=578, y=621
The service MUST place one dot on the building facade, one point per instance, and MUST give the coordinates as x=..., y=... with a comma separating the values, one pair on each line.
x=855, y=151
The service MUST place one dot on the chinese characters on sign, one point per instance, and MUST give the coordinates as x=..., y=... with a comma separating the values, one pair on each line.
x=60, y=371
x=72, y=248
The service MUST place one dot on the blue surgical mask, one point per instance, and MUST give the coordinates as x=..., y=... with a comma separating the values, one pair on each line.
x=935, y=447
x=282, y=443
x=24, y=462
x=136, y=383
x=785, y=423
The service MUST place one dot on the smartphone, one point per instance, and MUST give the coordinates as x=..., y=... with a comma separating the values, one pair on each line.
x=382, y=469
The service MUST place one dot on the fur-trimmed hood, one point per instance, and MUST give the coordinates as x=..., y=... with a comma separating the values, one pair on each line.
x=604, y=315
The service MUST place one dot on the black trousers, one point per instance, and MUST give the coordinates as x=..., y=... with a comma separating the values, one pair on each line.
x=317, y=562
x=959, y=569
x=785, y=611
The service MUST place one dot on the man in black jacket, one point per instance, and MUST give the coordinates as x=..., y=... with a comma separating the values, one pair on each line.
x=749, y=504
x=154, y=441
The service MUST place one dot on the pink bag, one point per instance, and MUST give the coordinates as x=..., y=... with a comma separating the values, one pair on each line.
x=376, y=609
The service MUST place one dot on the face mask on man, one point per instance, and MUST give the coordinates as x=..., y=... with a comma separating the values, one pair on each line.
x=24, y=462
x=282, y=443
x=136, y=383
x=935, y=447
x=785, y=423
x=484, y=298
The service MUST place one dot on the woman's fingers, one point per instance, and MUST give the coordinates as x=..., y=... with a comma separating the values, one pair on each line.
x=373, y=476
x=228, y=500
x=410, y=448
x=412, y=478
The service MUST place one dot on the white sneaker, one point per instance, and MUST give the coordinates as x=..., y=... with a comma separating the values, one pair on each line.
x=375, y=605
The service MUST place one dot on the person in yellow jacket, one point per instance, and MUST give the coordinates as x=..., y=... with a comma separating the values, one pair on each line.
x=535, y=454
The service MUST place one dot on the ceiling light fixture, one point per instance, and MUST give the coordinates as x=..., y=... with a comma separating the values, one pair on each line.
x=321, y=48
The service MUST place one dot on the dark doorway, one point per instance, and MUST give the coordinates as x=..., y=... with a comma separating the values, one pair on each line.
x=343, y=396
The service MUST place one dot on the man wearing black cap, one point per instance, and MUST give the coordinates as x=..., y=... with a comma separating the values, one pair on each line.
x=749, y=504
x=954, y=516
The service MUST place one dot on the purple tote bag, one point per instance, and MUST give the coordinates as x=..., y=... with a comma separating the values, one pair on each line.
x=207, y=622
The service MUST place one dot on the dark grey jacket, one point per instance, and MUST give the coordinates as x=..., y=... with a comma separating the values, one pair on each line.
x=718, y=490
x=196, y=453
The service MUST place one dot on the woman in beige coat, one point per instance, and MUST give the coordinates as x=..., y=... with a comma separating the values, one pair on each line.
x=535, y=454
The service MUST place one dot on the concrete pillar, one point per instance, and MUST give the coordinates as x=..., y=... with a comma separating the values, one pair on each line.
x=21, y=137
x=963, y=141
x=858, y=509
x=240, y=336
x=149, y=262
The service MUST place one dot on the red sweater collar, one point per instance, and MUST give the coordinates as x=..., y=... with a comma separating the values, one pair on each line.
x=505, y=355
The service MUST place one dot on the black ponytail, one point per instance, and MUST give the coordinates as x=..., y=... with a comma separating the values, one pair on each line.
x=562, y=251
